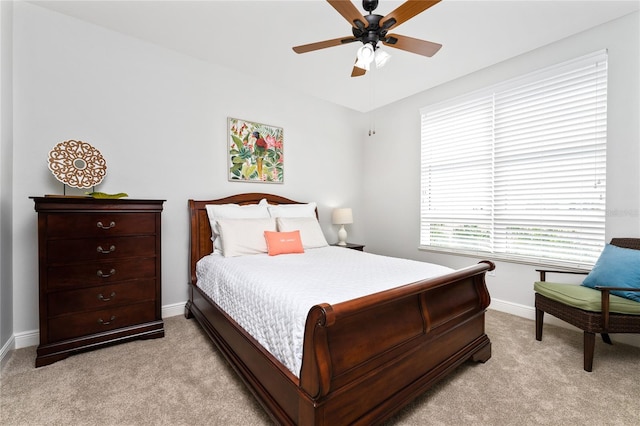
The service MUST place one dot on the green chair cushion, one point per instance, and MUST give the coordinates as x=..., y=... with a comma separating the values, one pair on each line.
x=585, y=298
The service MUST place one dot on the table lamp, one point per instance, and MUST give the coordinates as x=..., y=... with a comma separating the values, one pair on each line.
x=342, y=217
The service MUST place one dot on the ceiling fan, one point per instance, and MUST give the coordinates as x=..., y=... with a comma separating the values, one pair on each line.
x=371, y=29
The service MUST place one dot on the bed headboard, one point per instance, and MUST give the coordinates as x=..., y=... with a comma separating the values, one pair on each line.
x=200, y=229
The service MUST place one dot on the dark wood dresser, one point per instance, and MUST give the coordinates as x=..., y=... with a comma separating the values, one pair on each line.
x=99, y=273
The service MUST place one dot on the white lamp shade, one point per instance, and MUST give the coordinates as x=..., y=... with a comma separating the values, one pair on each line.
x=381, y=58
x=342, y=216
x=365, y=56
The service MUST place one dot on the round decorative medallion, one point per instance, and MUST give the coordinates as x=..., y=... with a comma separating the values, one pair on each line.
x=77, y=164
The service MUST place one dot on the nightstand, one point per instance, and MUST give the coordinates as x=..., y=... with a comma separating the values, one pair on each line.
x=359, y=247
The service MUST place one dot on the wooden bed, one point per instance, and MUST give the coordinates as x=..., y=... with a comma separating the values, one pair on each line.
x=363, y=359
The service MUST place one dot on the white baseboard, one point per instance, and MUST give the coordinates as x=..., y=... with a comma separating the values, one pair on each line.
x=513, y=308
x=173, y=310
x=27, y=338
x=6, y=350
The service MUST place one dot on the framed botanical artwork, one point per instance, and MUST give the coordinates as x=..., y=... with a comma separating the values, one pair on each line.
x=255, y=152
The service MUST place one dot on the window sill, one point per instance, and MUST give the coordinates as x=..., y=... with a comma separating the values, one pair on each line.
x=507, y=258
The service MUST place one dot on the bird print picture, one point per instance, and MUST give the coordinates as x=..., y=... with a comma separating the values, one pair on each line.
x=255, y=152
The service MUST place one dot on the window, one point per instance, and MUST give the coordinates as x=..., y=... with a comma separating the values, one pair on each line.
x=517, y=171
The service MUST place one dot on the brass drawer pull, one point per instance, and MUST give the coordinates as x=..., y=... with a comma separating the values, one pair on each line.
x=103, y=275
x=100, y=321
x=106, y=299
x=101, y=226
x=99, y=249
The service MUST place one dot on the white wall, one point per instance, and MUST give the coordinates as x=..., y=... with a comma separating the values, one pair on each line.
x=6, y=155
x=160, y=120
x=394, y=228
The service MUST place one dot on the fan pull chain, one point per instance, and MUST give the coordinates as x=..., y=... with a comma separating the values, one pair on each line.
x=372, y=88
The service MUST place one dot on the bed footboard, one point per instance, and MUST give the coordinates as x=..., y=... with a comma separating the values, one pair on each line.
x=365, y=358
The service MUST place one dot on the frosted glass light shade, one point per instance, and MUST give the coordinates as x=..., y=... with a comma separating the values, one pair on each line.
x=381, y=58
x=365, y=56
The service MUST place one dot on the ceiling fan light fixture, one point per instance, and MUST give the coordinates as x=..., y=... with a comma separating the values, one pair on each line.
x=365, y=56
x=381, y=58
x=372, y=29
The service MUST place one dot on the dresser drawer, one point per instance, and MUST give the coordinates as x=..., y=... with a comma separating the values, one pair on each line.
x=80, y=324
x=101, y=297
x=99, y=224
x=99, y=272
x=104, y=248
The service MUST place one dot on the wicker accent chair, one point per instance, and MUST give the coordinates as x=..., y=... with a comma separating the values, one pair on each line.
x=593, y=311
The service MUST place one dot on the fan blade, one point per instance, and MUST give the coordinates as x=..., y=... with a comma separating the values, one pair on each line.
x=323, y=44
x=357, y=71
x=406, y=11
x=413, y=45
x=349, y=12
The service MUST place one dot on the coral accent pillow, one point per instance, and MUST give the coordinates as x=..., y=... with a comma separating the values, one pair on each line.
x=283, y=242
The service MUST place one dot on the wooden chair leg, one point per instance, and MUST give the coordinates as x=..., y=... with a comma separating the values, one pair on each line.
x=606, y=339
x=589, y=347
x=539, y=322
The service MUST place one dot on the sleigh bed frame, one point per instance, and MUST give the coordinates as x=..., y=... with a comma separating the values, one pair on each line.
x=363, y=359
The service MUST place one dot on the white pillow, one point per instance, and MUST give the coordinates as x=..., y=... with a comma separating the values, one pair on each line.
x=233, y=211
x=310, y=231
x=240, y=237
x=293, y=210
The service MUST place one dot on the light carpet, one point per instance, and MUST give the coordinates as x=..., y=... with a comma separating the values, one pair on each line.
x=182, y=379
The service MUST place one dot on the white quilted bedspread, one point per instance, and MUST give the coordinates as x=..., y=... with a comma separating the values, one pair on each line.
x=270, y=296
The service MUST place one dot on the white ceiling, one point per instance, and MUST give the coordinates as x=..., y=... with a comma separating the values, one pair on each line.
x=256, y=37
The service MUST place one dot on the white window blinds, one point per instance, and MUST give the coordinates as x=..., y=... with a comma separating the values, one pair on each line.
x=518, y=170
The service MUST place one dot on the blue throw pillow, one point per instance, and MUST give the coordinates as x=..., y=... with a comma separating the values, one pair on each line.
x=616, y=267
